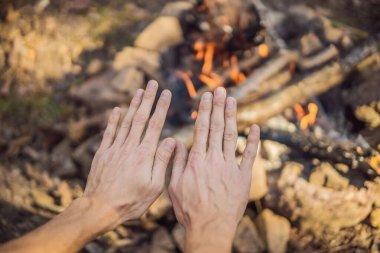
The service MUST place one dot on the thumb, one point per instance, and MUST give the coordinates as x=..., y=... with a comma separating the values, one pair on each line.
x=161, y=160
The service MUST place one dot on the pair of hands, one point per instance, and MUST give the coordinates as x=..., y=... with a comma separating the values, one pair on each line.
x=208, y=189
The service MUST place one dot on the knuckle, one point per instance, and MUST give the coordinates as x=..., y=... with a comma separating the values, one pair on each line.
x=163, y=155
x=201, y=126
x=156, y=123
x=219, y=102
x=204, y=106
x=217, y=127
x=230, y=136
x=230, y=113
x=140, y=118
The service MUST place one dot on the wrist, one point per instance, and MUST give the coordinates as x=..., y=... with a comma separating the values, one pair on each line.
x=95, y=217
x=213, y=237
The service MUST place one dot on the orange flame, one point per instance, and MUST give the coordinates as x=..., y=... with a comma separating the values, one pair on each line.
x=212, y=80
x=199, y=49
x=306, y=119
x=208, y=57
x=263, y=50
x=194, y=115
x=235, y=74
x=189, y=84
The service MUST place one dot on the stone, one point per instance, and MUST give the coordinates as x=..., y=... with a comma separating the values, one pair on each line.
x=160, y=207
x=136, y=57
x=61, y=160
x=274, y=152
x=162, y=242
x=247, y=238
x=162, y=33
x=176, y=8
x=310, y=44
x=375, y=218
x=259, y=184
x=326, y=175
x=128, y=80
x=275, y=230
x=94, y=67
x=178, y=233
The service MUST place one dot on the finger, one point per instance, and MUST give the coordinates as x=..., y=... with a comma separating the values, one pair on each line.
x=202, y=125
x=157, y=121
x=230, y=130
x=179, y=162
x=109, y=133
x=250, y=150
x=161, y=160
x=217, y=119
x=127, y=121
x=142, y=114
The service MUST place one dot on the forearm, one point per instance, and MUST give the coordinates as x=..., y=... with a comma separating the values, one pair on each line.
x=210, y=238
x=68, y=232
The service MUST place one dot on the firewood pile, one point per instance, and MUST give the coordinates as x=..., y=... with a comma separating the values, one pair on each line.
x=308, y=80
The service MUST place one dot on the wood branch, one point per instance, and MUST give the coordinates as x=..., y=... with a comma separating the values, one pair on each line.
x=351, y=154
x=312, y=85
x=269, y=86
x=322, y=57
x=252, y=83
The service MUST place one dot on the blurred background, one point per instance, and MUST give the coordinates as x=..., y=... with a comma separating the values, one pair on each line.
x=308, y=72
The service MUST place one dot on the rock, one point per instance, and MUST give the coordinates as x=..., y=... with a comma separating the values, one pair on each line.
x=375, y=218
x=97, y=91
x=161, y=34
x=84, y=153
x=320, y=209
x=136, y=57
x=274, y=152
x=94, y=67
x=61, y=160
x=128, y=80
x=247, y=238
x=178, y=233
x=65, y=194
x=159, y=207
x=259, y=184
x=162, y=242
x=310, y=44
x=275, y=230
x=326, y=175
x=175, y=9
x=368, y=115
x=332, y=34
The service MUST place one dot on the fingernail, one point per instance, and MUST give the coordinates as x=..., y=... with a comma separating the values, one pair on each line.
x=166, y=93
x=207, y=96
x=152, y=84
x=170, y=143
x=255, y=129
x=116, y=110
x=230, y=102
x=139, y=93
x=220, y=91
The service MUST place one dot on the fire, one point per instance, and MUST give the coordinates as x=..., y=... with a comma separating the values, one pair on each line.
x=199, y=49
x=263, y=50
x=212, y=80
x=208, y=57
x=235, y=74
x=306, y=119
x=189, y=84
x=194, y=115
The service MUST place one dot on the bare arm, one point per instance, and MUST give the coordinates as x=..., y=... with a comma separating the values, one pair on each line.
x=127, y=175
x=209, y=190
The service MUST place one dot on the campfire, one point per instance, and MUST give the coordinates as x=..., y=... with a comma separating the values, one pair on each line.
x=307, y=78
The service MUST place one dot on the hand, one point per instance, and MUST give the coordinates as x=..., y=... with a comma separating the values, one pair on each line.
x=128, y=170
x=209, y=190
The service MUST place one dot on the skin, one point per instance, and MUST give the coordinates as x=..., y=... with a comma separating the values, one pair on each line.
x=209, y=190
x=127, y=175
